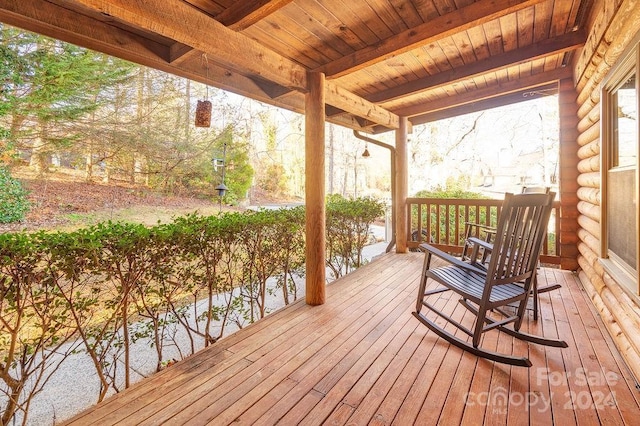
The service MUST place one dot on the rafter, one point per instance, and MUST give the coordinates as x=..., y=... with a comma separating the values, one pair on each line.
x=439, y=28
x=554, y=46
x=272, y=89
x=524, y=83
x=243, y=14
x=178, y=21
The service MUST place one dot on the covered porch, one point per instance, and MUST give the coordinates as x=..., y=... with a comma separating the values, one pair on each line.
x=359, y=356
x=362, y=358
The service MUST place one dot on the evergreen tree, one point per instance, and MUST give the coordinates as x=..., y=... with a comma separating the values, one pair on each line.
x=48, y=86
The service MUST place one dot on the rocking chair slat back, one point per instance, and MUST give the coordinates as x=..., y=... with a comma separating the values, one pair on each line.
x=521, y=229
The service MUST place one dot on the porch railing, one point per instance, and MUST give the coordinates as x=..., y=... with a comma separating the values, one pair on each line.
x=442, y=222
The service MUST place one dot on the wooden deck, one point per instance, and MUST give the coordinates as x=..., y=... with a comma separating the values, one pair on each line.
x=362, y=358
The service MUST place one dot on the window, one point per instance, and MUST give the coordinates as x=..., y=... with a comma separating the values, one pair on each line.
x=619, y=151
x=624, y=147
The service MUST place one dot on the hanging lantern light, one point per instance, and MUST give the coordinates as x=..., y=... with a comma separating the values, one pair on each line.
x=366, y=154
x=222, y=190
x=203, y=109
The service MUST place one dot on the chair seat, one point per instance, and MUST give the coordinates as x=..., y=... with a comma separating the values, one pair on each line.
x=470, y=285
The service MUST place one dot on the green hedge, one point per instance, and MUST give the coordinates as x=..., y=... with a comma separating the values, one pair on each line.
x=100, y=289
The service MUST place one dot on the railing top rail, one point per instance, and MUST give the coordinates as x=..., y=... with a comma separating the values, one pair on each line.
x=463, y=201
x=458, y=201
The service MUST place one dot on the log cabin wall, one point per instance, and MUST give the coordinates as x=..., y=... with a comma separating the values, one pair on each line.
x=613, y=28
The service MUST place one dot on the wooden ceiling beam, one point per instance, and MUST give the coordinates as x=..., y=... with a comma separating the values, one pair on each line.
x=356, y=105
x=177, y=20
x=462, y=19
x=553, y=46
x=337, y=116
x=243, y=14
x=63, y=24
x=331, y=111
x=524, y=83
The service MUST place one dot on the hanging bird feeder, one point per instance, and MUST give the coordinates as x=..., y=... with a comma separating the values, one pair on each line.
x=203, y=109
x=203, y=113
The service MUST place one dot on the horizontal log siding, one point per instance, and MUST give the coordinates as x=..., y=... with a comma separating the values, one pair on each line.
x=613, y=27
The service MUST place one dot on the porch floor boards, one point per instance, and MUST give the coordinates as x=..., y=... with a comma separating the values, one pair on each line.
x=362, y=358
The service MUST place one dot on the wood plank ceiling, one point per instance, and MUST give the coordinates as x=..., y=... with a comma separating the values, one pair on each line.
x=423, y=59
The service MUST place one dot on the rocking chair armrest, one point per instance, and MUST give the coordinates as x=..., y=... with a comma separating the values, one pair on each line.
x=480, y=242
x=451, y=259
x=487, y=228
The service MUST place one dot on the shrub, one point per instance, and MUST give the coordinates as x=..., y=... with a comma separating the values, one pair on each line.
x=13, y=198
x=348, y=222
x=451, y=193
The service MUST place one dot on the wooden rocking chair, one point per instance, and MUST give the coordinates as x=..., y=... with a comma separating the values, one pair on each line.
x=485, y=289
x=478, y=250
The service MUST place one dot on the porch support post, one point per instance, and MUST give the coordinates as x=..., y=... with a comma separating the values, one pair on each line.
x=568, y=186
x=315, y=189
x=402, y=185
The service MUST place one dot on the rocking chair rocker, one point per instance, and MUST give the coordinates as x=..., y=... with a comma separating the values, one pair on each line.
x=489, y=288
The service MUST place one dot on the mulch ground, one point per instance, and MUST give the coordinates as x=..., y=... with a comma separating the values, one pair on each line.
x=53, y=200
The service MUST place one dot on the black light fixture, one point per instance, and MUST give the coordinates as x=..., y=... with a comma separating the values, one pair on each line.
x=366, y=154
x=222, y=189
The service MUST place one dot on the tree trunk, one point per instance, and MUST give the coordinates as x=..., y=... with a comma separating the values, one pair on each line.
x=88, y=166
x=16, y=125
x=187, y=106
x=107, y=172
x=346, y=177
x=38, y=161
x=132, y=171
x=147, y=173
x=331, y=158
x=355, y=176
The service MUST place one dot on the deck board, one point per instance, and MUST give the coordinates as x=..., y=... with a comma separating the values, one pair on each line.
x=362, y=358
